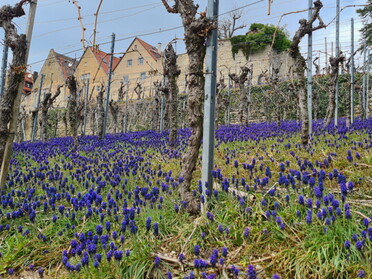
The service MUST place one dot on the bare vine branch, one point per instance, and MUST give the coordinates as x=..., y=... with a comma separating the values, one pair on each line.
x=80, y=19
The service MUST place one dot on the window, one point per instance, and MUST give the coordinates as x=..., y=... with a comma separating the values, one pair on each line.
x=129, y=62
x=143, y=76
x=126, y=79
x=85, y=77
x=98, y=88
x=140, y=60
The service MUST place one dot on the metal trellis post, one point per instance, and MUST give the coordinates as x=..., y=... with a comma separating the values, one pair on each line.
x=3, y=69
x=364, y=94
x=86, y=105
x=209, y=102
x=367, y=83
x=337, y=55
x=352, y=81
x=310, y=73
x=228, y=102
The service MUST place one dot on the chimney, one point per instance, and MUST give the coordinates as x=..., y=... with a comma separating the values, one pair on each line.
x=159, y=47
x=35, y=75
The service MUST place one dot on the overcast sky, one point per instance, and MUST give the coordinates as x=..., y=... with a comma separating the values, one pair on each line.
x=56, y=24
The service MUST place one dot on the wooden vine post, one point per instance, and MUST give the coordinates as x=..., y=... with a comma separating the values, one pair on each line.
x=196, y=30
x=306, y=27
x=171, y=72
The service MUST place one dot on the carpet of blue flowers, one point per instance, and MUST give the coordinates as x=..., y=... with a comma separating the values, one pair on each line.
x=110, y=208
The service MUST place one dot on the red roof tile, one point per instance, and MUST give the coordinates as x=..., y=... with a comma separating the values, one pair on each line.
x=67, y=64
x=103, y=59
x=154, y=52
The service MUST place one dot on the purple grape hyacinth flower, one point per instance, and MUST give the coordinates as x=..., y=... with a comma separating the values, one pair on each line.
x=197, y=250
x=251, y=272
x=361, y=273
x=157, y=261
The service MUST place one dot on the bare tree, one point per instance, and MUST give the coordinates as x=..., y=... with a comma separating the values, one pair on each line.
x=121, y=91
x=196, y=32
x=228, y=26
x=221, y=100
x=361, y=100
x=72, y=108
x=260, y=77
x=171, y=72
x=125, y=115
x=290, y=100
x=64, y=120
x=241, y=80
x=18, y=45
x=45, y=106
x=316, y=65
x=315, y=101
x=277, y=95
x=156, y=106
x=306, y=27
x=274, y=97
x=348, y=92
x=348, y=88
x=114, y=109
x=56, y=123
x=138, y=90
x=315, y=97
x=335, y=64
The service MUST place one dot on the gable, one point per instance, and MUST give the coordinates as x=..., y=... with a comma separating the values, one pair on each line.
x=51, y=68
x=151, y=58
x=103, y=59
x=149, y=49
x=153, y=51
x=67, y=64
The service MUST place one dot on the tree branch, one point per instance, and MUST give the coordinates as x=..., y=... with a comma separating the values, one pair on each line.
x=170, y=9
x=80, y=18
x=58, y=92
x=7, y=14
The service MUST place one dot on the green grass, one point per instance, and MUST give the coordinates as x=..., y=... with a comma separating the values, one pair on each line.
x=298, y=251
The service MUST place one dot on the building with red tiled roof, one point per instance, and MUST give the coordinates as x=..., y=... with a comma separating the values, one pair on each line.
x=154, y=52
x=94, y=66
x=67, y=64
x=140, y=64
x=56, y=69
x=103, y=59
